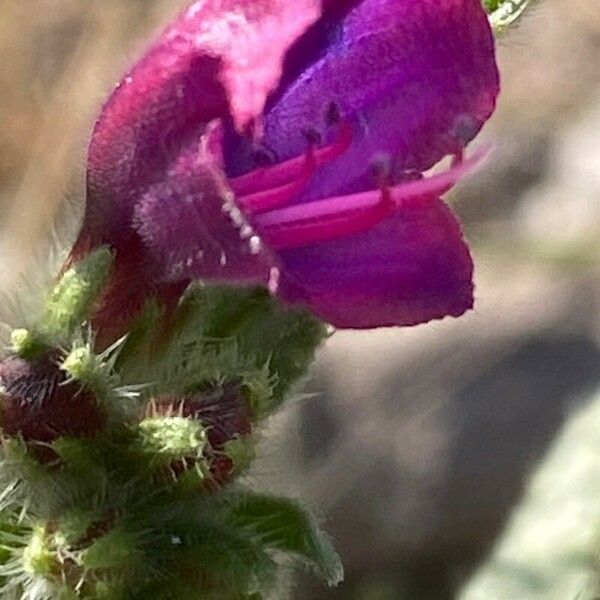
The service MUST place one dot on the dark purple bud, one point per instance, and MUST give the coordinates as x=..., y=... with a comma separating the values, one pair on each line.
x=224, y=415
x=38, y=404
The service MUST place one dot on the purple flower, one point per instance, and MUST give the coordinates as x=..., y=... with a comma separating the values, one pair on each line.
x=284, y=143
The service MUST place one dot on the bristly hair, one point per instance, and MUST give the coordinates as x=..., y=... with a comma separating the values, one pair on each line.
x=22, y=301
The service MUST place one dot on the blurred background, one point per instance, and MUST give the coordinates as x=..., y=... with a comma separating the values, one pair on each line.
x=424, y=450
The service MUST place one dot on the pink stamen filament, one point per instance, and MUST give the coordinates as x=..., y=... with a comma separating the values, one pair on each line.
x=325, y=227
x=298, y=168
x=328, y=219
x=269, y=199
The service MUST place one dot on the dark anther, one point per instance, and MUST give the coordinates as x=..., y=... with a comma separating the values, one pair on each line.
x=380, y=168
x=332, y=114
x=312, y=135
x=408, y=175
x=464, y=130
x=263, y=156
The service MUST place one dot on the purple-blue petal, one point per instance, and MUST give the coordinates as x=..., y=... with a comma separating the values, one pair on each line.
x=410, y=269
x=416, y=78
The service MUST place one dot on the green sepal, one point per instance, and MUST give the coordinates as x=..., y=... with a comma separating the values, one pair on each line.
x=97, y=372
x=221, y=334
x=170, y=439
x=242, y=451
x=117, y=549
x=265, y=332
x=72, y=298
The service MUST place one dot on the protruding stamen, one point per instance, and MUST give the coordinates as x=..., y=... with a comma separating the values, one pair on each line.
x=324, y=220
x=293, y=169
x=321, y=225
x=273, y=198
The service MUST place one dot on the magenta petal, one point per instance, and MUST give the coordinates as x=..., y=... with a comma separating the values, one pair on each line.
x=192, y=228
x=409, y=269
x=253, y=36
x=218, y=58
x=416, y=78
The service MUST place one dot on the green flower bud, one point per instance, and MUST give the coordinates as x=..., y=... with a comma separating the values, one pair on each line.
x=71, y=300
x=38, y=557
x=171, y=439
x=25, y=344
x=90, y=369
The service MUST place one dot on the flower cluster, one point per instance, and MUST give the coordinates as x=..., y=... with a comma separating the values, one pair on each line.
x=260, y=150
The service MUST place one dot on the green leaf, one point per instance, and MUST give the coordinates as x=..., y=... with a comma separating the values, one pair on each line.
x=220, y=333
x=118, y=551
x=194, y=536
x=227, y=556
x=282, y=525
x=264, y=333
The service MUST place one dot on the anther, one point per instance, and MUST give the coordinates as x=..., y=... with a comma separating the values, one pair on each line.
x=313, y=137
x=381, y=169
x=464, y=129
x=333, y=115
x=263, y=156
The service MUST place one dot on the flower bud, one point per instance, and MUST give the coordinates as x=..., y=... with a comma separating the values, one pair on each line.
x=224, y=416
x=172, y=441
x=40, y=404
x=71, y=299
x=26, y=344
x=38, y=555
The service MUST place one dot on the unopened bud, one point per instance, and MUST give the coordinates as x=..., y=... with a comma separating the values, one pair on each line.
x=72, y=298
x=225, y=417
x=39, y=403
x=38, y=557
x=24, y=343
x=172, y=437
